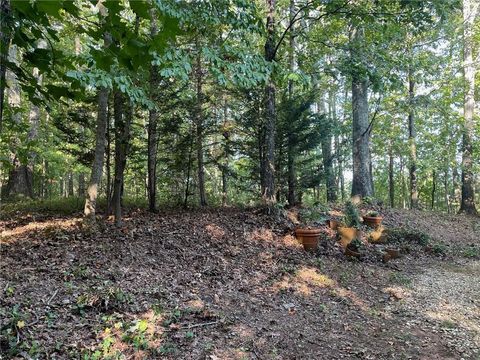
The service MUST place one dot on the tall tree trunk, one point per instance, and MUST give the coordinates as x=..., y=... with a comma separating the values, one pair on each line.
x=100, y=132
x=123, y=120
x=434, y=188
x=5, y=35
x=261, y=156
x=270, y=110
x=404, y=185
x=96, y=174
x=108, y=165
x=327, y=150
x=200, y=129
x=412, y=142
x=391, y=178
x=456, y=191
x=445, y=184
x=226, y=151
x=362, y=183
x=152, y=128
x=19, y=180
x=291, y=173
x=70, y=184
x=81, y=184
x=189, y=169
x=468, y=192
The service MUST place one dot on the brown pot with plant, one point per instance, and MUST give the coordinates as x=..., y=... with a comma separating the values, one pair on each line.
x=350, y=229
x=353, y=248
x=372, y=219
x=309, y=231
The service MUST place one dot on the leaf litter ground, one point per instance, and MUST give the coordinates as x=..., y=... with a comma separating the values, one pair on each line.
x=232, y=284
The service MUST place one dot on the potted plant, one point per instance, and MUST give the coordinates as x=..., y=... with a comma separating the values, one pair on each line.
x=350, y=228
x=333, y=224
x=372, y=219
x=308, y=233
x=353, y=248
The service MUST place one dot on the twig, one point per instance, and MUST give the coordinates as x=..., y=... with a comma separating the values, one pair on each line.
x=199, y=325
x=51, y=297
x=255, y=352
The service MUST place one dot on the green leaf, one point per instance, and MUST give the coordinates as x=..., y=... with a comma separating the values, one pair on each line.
x=51, y=8
x=140, y=7
x=40, y=58
x=23, y=6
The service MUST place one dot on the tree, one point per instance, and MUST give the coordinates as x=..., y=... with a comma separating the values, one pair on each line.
x=468, y=193
x=412, y=142
x=5, y=34
x=100, y=140
x=362, y=183
x=270, y=110
x=153, y=126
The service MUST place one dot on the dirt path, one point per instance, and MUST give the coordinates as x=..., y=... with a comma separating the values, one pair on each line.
x=443, y=299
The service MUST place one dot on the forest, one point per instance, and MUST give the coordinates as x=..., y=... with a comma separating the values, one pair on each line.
x=239, y=179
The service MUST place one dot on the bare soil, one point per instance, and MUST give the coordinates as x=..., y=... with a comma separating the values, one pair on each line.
x=233, y=284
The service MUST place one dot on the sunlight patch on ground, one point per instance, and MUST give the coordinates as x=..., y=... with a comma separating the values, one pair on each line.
x=215, y=231
x=261, y=234
x=133, y=338
x=48, y=227
x=307, y=280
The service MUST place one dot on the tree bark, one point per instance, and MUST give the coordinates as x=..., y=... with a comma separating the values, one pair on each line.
x=96, y=173
x=467, y=204
x=152, y=129
x=362, y=183
x=391, y=178
x=327, y=150
x=108, y=159
x=291, y=173
x=226, y=151
x=404, y=185
x=70, y=184
x=200, y=128
x=445, y=184
x=5, y=35
x=412, y=142
x=100, y=135
x=123, y=120
x=81, y=184
x=434, y=188
x=270, y=110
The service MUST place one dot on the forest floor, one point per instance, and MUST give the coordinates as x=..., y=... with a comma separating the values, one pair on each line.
x=233, y=284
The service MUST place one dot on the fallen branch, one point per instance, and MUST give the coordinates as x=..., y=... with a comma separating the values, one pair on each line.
x=51, y=297
x=200, y=325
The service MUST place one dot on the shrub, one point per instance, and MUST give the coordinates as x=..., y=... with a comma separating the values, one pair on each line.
x=352, y=215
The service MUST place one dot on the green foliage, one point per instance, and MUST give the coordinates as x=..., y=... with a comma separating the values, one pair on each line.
x=400, y=279
x=104, y=298
x=312, y=216
x=351, y=216
x=408, y=235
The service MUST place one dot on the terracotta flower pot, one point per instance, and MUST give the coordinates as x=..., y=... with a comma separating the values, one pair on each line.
x=347, y=235
x=378, y=236
x=333, y=224
x=309, y=238
x=352, y=253
x=394, y=253
x=372, y=221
